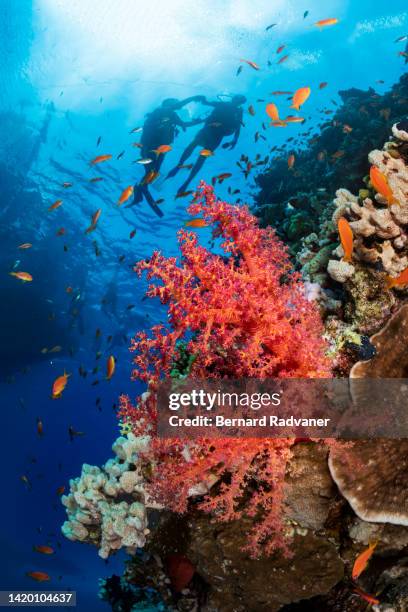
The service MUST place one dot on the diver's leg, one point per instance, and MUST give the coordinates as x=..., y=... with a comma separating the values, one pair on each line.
x=187, y=152
x=194, y=171
x=151, y=202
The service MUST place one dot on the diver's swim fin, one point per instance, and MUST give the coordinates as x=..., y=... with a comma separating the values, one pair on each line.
x=156, y=209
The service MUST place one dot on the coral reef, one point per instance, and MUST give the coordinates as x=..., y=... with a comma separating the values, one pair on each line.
x=107, y=506
x=247, y=316
x=336, y=155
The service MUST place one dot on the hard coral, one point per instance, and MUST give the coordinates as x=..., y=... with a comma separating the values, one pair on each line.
x=244, y=314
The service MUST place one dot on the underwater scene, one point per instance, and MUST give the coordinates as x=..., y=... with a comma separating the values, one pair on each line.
x=206, y=191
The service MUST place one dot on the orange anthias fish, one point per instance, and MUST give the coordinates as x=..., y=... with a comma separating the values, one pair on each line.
x=326, y=22
x=110, y=367
x=164, y=148
x=100, y=158
x=40, y=427
x=38, y=576
x=125, y=195
x=398, y=281
x=25, y=245
x=291, y=161
x=150, y=177
x=206, y=152
x=44, y=550
x=283, y=59
x=59, y=385
x=252, y=64
x=362, y=560
x=346, y=238
x=24, y=276
x=299, y=97
x=272, y=111
x=368, y=598
x=380, y=183
x=94, y=221
x=196, y=223
x=280, y=48
x=323, y=85
x=251, y=110
x=56, y=205
x=60, y=490
x=293, y=119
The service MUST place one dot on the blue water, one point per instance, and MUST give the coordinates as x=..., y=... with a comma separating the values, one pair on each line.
x=71, y=72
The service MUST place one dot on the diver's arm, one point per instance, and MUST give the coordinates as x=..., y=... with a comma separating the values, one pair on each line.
x=182, y=103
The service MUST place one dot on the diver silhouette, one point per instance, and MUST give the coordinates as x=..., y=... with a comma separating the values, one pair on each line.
x=224, y=120
x=160, y=128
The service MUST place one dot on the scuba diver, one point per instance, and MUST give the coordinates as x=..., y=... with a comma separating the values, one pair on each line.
x=160, y=128
x=224, y=120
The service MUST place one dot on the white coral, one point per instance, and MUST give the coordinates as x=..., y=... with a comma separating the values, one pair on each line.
x=107, y=506
x=340, y=271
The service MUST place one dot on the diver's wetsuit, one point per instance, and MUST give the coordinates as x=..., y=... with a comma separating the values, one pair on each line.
x=224, y=120
x=160, y=128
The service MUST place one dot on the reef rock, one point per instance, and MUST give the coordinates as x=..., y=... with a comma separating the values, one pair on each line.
x=238, y=583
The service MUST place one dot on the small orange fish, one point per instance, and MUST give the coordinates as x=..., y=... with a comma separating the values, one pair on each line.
x=164, y=148
x=125, y=195
x=292, y=119
x=44, y=550
x=69, y=289
x=24, y=276
x=196, y=223
x=206, y=152
x=223, y=176
x=347, y=128
x=380, y=183
x=338, y=154
x=326, y=22
x=300, y=96
x=272, y=111
x=346, y=238
x=110, y=367
x=362, y=560
x=60, y=232
x=40, y=427
x=150, y=177
x=368, y=598
x=59, y=385
x=279, y=123
x=252, y=64
x=251, y=110
x=280, y=48
x=184, y=194
x=322, y=85
x=132, y=234
x=99, y=159
x=66, y=185
x=283, y=59
x=38, y=576
x=321, y=155
x=56, y=205
x=96, y=179
x=291, y=161
x=25, y=245
x=60, y=490
x=398, y=281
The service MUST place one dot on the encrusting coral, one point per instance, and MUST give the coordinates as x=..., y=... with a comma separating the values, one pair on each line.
x=107, y=506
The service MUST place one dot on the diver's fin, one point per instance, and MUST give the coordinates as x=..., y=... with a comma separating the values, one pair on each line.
x=156, y=209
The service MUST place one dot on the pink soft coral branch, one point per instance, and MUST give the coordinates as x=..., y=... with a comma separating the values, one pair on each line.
x=244, y=314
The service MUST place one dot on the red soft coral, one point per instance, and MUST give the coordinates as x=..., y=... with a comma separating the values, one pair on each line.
x=244, y=314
